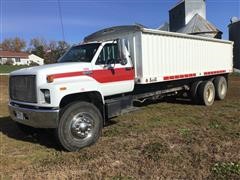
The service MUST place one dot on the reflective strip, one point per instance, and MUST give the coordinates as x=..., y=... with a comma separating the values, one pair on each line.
x=214, y=72
x=182, y=76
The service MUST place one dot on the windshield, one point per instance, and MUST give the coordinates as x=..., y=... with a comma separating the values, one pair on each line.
x=81, y=53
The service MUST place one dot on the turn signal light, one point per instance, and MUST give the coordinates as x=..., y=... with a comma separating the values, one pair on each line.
x=63, y=88
x=50, y=79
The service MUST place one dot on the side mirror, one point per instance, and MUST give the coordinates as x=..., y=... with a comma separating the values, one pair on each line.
x=119, y=43
x=121, y=51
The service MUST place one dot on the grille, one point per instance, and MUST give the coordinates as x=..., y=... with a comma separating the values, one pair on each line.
x=23, y=88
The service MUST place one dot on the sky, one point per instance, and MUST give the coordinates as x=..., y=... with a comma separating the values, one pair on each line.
x=41, y=18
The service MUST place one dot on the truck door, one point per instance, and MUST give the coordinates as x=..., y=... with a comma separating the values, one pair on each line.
x=114, y=77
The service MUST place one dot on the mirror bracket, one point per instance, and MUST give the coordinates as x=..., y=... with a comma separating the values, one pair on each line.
x=108, y=66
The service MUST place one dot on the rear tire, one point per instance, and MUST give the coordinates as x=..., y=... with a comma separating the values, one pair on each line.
x=194, y=92
x=220, y=84
x=80, y=125
x=207, y=93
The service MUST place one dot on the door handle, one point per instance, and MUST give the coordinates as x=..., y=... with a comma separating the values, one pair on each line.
x=128, y=68
x=87, y=72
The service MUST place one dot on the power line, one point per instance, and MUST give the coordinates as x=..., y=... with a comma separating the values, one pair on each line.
x=61, y=19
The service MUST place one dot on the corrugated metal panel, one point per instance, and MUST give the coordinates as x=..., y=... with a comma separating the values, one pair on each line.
x=234, y=35
x=164, y=55
x=200, y=26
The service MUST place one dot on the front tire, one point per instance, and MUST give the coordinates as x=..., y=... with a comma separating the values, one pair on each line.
x=80, y=125
x=207, y=93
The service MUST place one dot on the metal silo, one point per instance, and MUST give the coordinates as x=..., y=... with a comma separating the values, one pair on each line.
x=234, y=35
x=189, y=17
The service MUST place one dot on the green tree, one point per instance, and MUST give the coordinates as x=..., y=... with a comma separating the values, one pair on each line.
x=39, y=51
x=38, y=46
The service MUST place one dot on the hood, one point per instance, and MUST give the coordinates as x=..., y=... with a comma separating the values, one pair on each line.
x=53, y=69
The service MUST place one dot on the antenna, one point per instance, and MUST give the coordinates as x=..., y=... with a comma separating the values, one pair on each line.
x=61, y=20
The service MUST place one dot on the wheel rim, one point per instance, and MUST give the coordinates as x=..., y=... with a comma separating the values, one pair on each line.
x=210, y=95
x=82, y=126
x=223, y=89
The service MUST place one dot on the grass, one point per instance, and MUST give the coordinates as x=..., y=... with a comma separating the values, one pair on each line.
x=166, y=140
x=154, y=150
x=224, y=170
x=10, y=68
x=185, y=132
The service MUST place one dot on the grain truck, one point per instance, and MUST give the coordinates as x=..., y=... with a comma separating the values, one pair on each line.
x=112, y=70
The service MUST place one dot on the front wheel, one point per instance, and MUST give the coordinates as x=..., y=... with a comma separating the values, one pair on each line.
x=80, y=126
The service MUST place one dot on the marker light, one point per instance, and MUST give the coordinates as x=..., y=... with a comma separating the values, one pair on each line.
x=50, y=79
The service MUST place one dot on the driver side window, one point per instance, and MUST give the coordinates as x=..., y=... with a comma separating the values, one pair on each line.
x=108, y=55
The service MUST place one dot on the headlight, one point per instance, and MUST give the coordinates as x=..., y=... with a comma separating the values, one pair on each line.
x=46, y=93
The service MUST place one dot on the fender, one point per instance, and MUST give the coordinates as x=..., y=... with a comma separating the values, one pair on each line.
x=63, y=87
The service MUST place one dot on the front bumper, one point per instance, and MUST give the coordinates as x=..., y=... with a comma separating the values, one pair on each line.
x=38, y=118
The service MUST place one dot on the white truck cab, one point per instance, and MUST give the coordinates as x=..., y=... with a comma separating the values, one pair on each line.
x=102, y=77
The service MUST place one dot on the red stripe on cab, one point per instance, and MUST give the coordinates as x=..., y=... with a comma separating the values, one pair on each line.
x=108, y=75
x=102, y=76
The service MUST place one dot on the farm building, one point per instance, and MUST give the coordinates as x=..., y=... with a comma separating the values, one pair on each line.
x=19, y=58
x=189, y=17
x=234, y=35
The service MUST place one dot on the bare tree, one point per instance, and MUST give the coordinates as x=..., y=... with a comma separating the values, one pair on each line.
x=52, y=46
x=36, y=42
x=56, y=50
x=13, y=44
x=19, y=44
x=63, y=45
x=50, y=51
